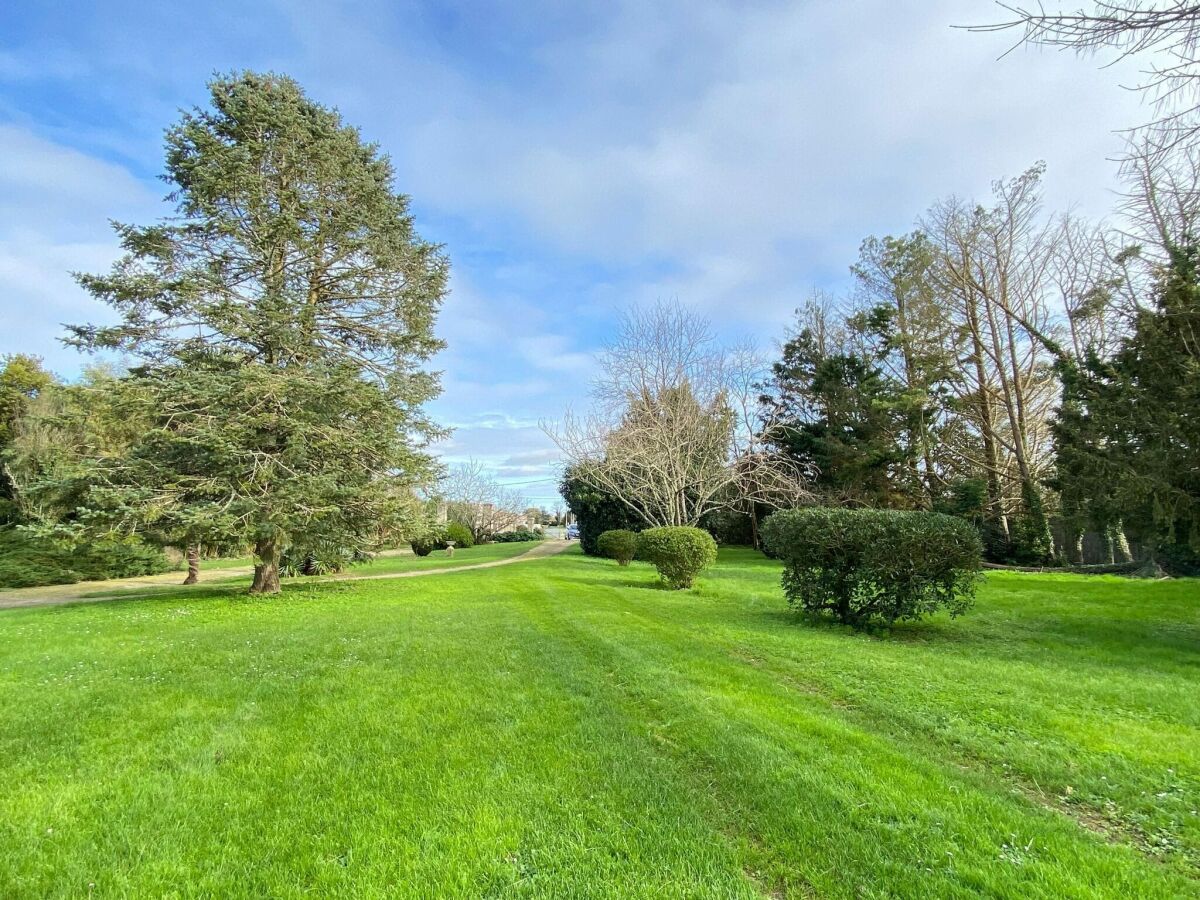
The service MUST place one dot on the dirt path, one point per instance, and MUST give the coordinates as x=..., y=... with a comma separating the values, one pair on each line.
x=60, y=594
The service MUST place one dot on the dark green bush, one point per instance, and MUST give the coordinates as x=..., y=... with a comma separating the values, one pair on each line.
x=618, y=544
x=595, y=511
x=319, y=558
x=729, y=527
x=517, y=535
x=461, y=535
x=425, y=545
x=863, y=564
x=27, y=560
x=679, y=553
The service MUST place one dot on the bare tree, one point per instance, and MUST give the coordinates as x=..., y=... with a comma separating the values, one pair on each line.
x=1168, y=29
x=994, y=266
x=673, y=431
x=479, y=503
x=1162, y=200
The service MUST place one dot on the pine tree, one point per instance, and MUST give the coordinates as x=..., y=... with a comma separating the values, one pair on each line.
x=836, y=413
x=280, y=321
x=1128, y=433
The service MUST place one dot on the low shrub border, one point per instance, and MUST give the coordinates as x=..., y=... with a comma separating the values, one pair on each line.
x=678, y=552
x=517, y=535
x=874, y=564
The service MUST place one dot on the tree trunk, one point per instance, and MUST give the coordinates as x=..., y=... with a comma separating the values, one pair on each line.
x=1012, y=399
x=995, y=497
x=1076, y=551
x=193, y=563
x=1122, y=543
x=266, y=567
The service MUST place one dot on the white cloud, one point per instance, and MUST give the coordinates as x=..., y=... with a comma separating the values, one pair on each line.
x=799, y=127
x=55, y=205
x=553, y=352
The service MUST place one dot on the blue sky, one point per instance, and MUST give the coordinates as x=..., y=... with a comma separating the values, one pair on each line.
x=575, y=158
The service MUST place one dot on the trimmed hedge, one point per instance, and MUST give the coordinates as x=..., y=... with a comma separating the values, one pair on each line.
x=460, y=534
x=864, y=564
x=618, y=544
x=595, y=511
x=679, y=553
x=517, y=536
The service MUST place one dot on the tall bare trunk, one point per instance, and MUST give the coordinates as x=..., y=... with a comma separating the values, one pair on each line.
x=987, y=427
x=1013, y=403
x=266, y=567
x=1106, y=539
x=1123, y=552
x=193, y=563
x=1076, y=548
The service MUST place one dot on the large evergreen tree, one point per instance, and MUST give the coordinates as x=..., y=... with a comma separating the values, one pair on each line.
x=1128, y=433
x=280, y=320
x=835, y=411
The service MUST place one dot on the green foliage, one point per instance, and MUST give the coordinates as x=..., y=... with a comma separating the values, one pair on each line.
x=1127, y=435
x=861, y=397
x=460, y=534
x=619, y=544
x=1023, y=545
x=319, y=558
x=595, y=511
x=30, y=557
x=517, y=536
x=303, y=463
x=833, y=417
x=22, y=381
x=298, y=416
x=426, y=543
x=864, y=564
x=678, y=552
x=729, y=527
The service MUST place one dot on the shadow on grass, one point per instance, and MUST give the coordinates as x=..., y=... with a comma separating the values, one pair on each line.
x=650, y=583
x=238, y=592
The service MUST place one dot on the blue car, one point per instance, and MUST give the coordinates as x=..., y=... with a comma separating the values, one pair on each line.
x=572, y=532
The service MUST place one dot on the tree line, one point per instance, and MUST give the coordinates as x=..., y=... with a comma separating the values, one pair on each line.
x=1013, y=367
x=1032, y=372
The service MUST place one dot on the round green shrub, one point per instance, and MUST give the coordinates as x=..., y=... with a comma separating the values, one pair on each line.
x=864, y=564
x=423, y=546
x=460, y=534
x=678, y=552
x=618, y=544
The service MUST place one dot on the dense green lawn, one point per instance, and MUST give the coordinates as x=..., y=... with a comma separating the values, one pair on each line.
x=380, y=565
x=562, y=728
